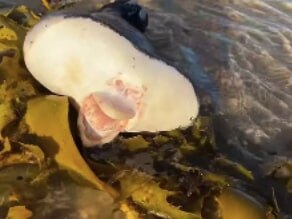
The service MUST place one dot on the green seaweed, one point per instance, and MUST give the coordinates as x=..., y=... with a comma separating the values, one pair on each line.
x=147, y=194
x=19, y=212
x=135, y=143
x=238, y=168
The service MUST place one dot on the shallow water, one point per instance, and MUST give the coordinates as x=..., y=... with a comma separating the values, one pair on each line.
x=242, y=58
x=239, y=56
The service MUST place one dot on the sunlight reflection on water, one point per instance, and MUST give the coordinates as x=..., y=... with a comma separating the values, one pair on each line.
x=245, y=47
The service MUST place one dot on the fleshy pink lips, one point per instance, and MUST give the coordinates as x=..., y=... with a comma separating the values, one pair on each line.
x=103, y=115
x=133, y=92
x=98, y=125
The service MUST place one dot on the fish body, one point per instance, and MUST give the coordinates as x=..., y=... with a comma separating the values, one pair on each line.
x=112, y=73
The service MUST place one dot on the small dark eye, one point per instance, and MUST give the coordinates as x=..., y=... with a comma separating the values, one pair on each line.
x=143, y=15
x=133, y=13
x=134, y=9
x=129, y=10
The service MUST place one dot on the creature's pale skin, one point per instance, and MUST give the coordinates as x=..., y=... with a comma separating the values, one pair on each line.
x=116, y=87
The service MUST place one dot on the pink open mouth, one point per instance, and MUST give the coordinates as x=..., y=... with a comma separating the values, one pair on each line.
x=98, y=126
x=103, y=115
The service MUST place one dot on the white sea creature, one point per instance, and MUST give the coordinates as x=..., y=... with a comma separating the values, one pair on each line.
x=104, y=64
